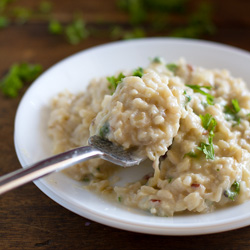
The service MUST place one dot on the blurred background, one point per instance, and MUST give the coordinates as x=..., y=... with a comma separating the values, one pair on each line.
x=34, y=35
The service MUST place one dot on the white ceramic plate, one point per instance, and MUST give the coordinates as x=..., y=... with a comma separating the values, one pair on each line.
x=74, y=73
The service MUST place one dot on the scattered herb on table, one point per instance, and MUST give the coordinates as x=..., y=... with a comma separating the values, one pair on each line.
x=4, y=22
x=4, y=3
x=199, y=23
x=55, y=27
x=45, y=7
x=22, y=14
x=233, y=191
x=17, y=75
x=76, y=31
x=198, y=89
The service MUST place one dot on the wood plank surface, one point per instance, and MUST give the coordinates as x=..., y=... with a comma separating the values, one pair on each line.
x=31, y=220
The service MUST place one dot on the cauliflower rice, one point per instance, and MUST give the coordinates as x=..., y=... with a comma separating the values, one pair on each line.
x=192, y=123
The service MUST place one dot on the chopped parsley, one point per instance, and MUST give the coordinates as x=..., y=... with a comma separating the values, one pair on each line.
x=55, y=27
x=104, y=130
x=191, y=154
x=172, y=67
x=209, y=123
x=22, y=14
x=157, y=59
x=232, y=111
x=45, y=7
x=17, y=75
x=114, y=81
x=119, y=198
x=4, y=22
x=205, y=104
x=138, y=72
x=188, y=97
x=207, y=148
x=198, y=89
x=233, y=191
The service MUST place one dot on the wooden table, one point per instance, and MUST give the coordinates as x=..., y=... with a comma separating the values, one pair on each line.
x=28, y=218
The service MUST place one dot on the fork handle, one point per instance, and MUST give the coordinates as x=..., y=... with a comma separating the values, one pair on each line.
x=47, y=166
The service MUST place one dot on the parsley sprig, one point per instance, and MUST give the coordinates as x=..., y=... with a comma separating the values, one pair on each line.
x=114, y=81
x=198, y=89
x=232, y=111
x=187, y=97
x=172, y=67
x=17, y=75
x=157, y=59
x=209, y=123
x=138, y=72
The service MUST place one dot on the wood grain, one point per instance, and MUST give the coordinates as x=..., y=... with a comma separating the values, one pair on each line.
x=28, y=218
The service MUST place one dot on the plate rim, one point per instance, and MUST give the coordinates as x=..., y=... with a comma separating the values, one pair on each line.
x=107, y=220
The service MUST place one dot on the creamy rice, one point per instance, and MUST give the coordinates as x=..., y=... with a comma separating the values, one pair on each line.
x=191, y=122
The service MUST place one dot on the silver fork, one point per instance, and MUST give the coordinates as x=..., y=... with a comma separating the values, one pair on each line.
x=98, y=148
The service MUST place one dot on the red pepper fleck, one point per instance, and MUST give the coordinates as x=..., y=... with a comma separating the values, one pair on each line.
x=147, y=176
x=190, y=67
x=196, y=185
x=205, y=132
x=155, y=200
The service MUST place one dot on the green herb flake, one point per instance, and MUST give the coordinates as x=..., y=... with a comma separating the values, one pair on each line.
x=138, y=72
x=170, y=179
x=22, y=14
x=45, y=7
x=157, y=59
x=172, y=67
x=86, y=179
x=55, y=27
x=236, y=106
x=114, y=81
x=208, y=122
x=17, y=75
x=205, y=104
x=4, y=22
x=233, y=191
x=232, y=111
x=134, y=33
x=4, y=3
x=119, y=198
x=188, y=97
x=198, y=89
x=207, y=149
x=104, y=130
x=191, y=154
